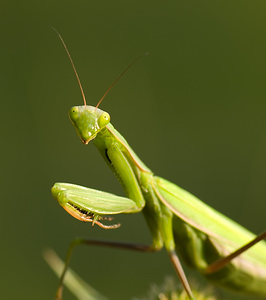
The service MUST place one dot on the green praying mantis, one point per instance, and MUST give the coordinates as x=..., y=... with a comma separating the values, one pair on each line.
x=219, y=248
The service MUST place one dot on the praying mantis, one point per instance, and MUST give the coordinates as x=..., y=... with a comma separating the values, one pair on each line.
x=219, y=248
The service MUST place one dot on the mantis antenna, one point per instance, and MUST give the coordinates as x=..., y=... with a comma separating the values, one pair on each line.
x=117, y=79
x=76, y=73
x=79, y=82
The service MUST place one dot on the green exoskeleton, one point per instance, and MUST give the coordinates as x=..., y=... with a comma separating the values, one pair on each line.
x=219, y=248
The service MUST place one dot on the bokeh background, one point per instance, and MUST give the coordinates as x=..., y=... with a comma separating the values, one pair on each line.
x=193, y=110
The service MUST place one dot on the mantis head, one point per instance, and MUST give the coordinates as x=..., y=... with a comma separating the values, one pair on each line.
x=88, y=121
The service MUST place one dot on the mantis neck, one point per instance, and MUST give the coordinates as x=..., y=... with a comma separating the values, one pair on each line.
x=110, y=137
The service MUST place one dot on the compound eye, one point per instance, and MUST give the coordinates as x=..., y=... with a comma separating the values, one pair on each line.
x=104, y=119
x=74, y=113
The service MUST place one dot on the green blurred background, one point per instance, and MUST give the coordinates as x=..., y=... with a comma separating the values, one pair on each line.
x=193, y=110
